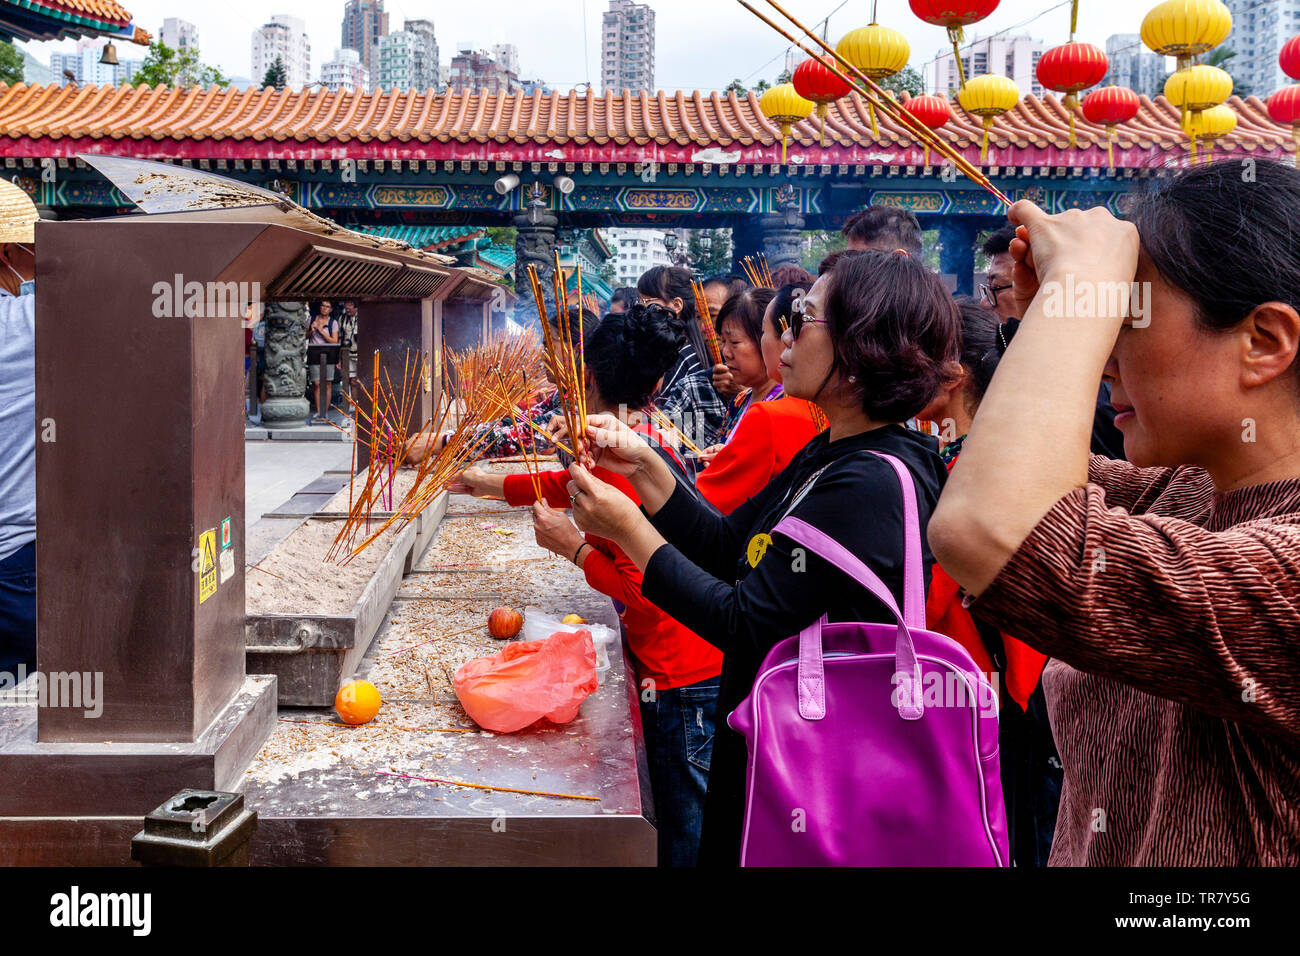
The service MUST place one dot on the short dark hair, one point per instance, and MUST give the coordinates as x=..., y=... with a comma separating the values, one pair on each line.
x=746, y=310
x=979, y=344
x=735, y=284
x=894, y=327
x=885, y=226
x=1226, y=243
x=582, y=322
x=625, y=294
x=789, y=275
x=828, y=263
x=783, y=301
x=999, y=241
x=630, y=352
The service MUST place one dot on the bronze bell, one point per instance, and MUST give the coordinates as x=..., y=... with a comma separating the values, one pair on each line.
x=109, y=56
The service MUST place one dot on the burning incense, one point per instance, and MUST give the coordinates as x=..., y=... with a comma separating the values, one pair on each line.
x=710, y=333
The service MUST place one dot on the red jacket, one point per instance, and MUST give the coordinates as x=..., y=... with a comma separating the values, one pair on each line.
x=666, y=652
x=768, y=436
x=945, y=615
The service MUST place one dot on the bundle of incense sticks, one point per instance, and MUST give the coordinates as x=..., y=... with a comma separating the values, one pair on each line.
x=471, y=399
x=665, y=424
x=567, y=363
x=869, y=90
x=757, y=272
x=706, y=319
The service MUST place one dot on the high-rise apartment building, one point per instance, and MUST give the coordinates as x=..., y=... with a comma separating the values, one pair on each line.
x=345, y=72
x=364, y=22
x=407, y=59
x=84, y=66
x=1259, y=28
x=179, y=34
x=480, y=71
x=426, y=67
x=627, y=47
x=636, y=251
x=284, y=37
x=1132, y=65
x=1015, y=57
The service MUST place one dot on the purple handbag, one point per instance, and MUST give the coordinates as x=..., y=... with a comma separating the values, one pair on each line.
x=871, y=744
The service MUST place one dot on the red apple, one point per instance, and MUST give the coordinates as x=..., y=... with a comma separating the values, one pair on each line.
x=505, y=623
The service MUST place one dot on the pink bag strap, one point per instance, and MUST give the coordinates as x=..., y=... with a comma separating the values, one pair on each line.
x=812, y=682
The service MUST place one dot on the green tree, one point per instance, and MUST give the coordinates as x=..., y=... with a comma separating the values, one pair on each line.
x=11, y=64
x=502, y=236
x=906, y=79
x=817, y=245
x=715, y=260
x=785, y=77
x=276, y=74
x=164, y=66
x=737, y=87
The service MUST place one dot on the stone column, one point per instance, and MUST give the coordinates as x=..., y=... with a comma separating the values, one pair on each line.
x=957, y=251
x=781, y=234
x=286, y=365
x=534, y=245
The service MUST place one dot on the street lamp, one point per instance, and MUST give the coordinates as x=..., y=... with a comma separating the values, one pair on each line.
x=706, y=241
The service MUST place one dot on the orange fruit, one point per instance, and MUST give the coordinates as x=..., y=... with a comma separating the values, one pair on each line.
x=572, y=619
x=357, y=702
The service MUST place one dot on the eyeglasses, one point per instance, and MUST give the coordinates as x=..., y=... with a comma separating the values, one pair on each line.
x=798, y=320
x=990, y=293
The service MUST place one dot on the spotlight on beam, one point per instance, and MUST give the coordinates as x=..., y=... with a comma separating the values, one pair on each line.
x=565, y=184
x=506, y=183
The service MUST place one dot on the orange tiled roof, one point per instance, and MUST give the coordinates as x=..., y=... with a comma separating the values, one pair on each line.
x=679, y=124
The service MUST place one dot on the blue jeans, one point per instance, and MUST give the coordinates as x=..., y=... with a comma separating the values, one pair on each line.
x=679, y=744
x=18, y=609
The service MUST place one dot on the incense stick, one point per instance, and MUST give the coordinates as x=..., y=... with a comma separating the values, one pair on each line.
x=866, y=87
x=483, y=786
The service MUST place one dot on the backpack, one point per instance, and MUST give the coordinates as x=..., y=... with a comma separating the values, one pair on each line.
x=871, y=744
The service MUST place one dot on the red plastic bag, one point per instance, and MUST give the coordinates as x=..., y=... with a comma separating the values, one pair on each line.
x=529, y=680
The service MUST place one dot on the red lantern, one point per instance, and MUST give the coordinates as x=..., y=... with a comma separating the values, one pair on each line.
x=1070, y=68
x=932, y=111
x=815, y=81
x=1289, y=58
x=1110, y=106
x=953, y=14
x=1284, y=107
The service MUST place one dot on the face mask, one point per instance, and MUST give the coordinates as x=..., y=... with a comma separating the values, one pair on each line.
x=25, y=286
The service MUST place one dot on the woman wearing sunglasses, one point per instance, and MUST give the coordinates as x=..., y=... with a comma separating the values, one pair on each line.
x=869, y=345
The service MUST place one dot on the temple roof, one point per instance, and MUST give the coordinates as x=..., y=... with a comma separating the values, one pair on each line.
x=57, y=19
x=702, y=128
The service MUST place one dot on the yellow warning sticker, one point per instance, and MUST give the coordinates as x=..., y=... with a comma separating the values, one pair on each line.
x=208, y=565
x=758, y=546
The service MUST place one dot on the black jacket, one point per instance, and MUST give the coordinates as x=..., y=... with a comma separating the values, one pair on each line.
x=704, y=580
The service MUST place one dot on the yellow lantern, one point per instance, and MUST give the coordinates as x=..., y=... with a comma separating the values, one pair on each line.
x=988, y=97
x=1195, y=90
x=878, y=52
x=1198, y=87
x=1186, y=28
x=1208, y=125
x=782, y=105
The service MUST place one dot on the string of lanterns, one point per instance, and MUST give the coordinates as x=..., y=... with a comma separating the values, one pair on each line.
x=1184, y=29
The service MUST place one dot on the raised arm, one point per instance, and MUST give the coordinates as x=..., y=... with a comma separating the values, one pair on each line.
x=1056, y=358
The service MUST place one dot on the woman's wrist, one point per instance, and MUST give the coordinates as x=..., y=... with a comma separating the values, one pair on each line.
x=577, y=555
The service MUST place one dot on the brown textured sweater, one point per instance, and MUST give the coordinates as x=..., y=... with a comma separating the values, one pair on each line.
x=1172, y=614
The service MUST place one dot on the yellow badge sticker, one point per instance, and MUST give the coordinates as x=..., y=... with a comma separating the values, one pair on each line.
x=758, y=546
x=208, y=565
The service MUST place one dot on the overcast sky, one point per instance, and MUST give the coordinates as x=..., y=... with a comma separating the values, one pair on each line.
x=700, y=44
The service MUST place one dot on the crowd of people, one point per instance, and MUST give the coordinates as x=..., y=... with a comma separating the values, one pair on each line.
x=331, y=369
x=1109, y=499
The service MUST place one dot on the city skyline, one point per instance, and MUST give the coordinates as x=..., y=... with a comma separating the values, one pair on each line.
x=699, y=45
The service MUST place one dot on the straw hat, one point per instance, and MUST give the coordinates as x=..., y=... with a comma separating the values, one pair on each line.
x=18, y=214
